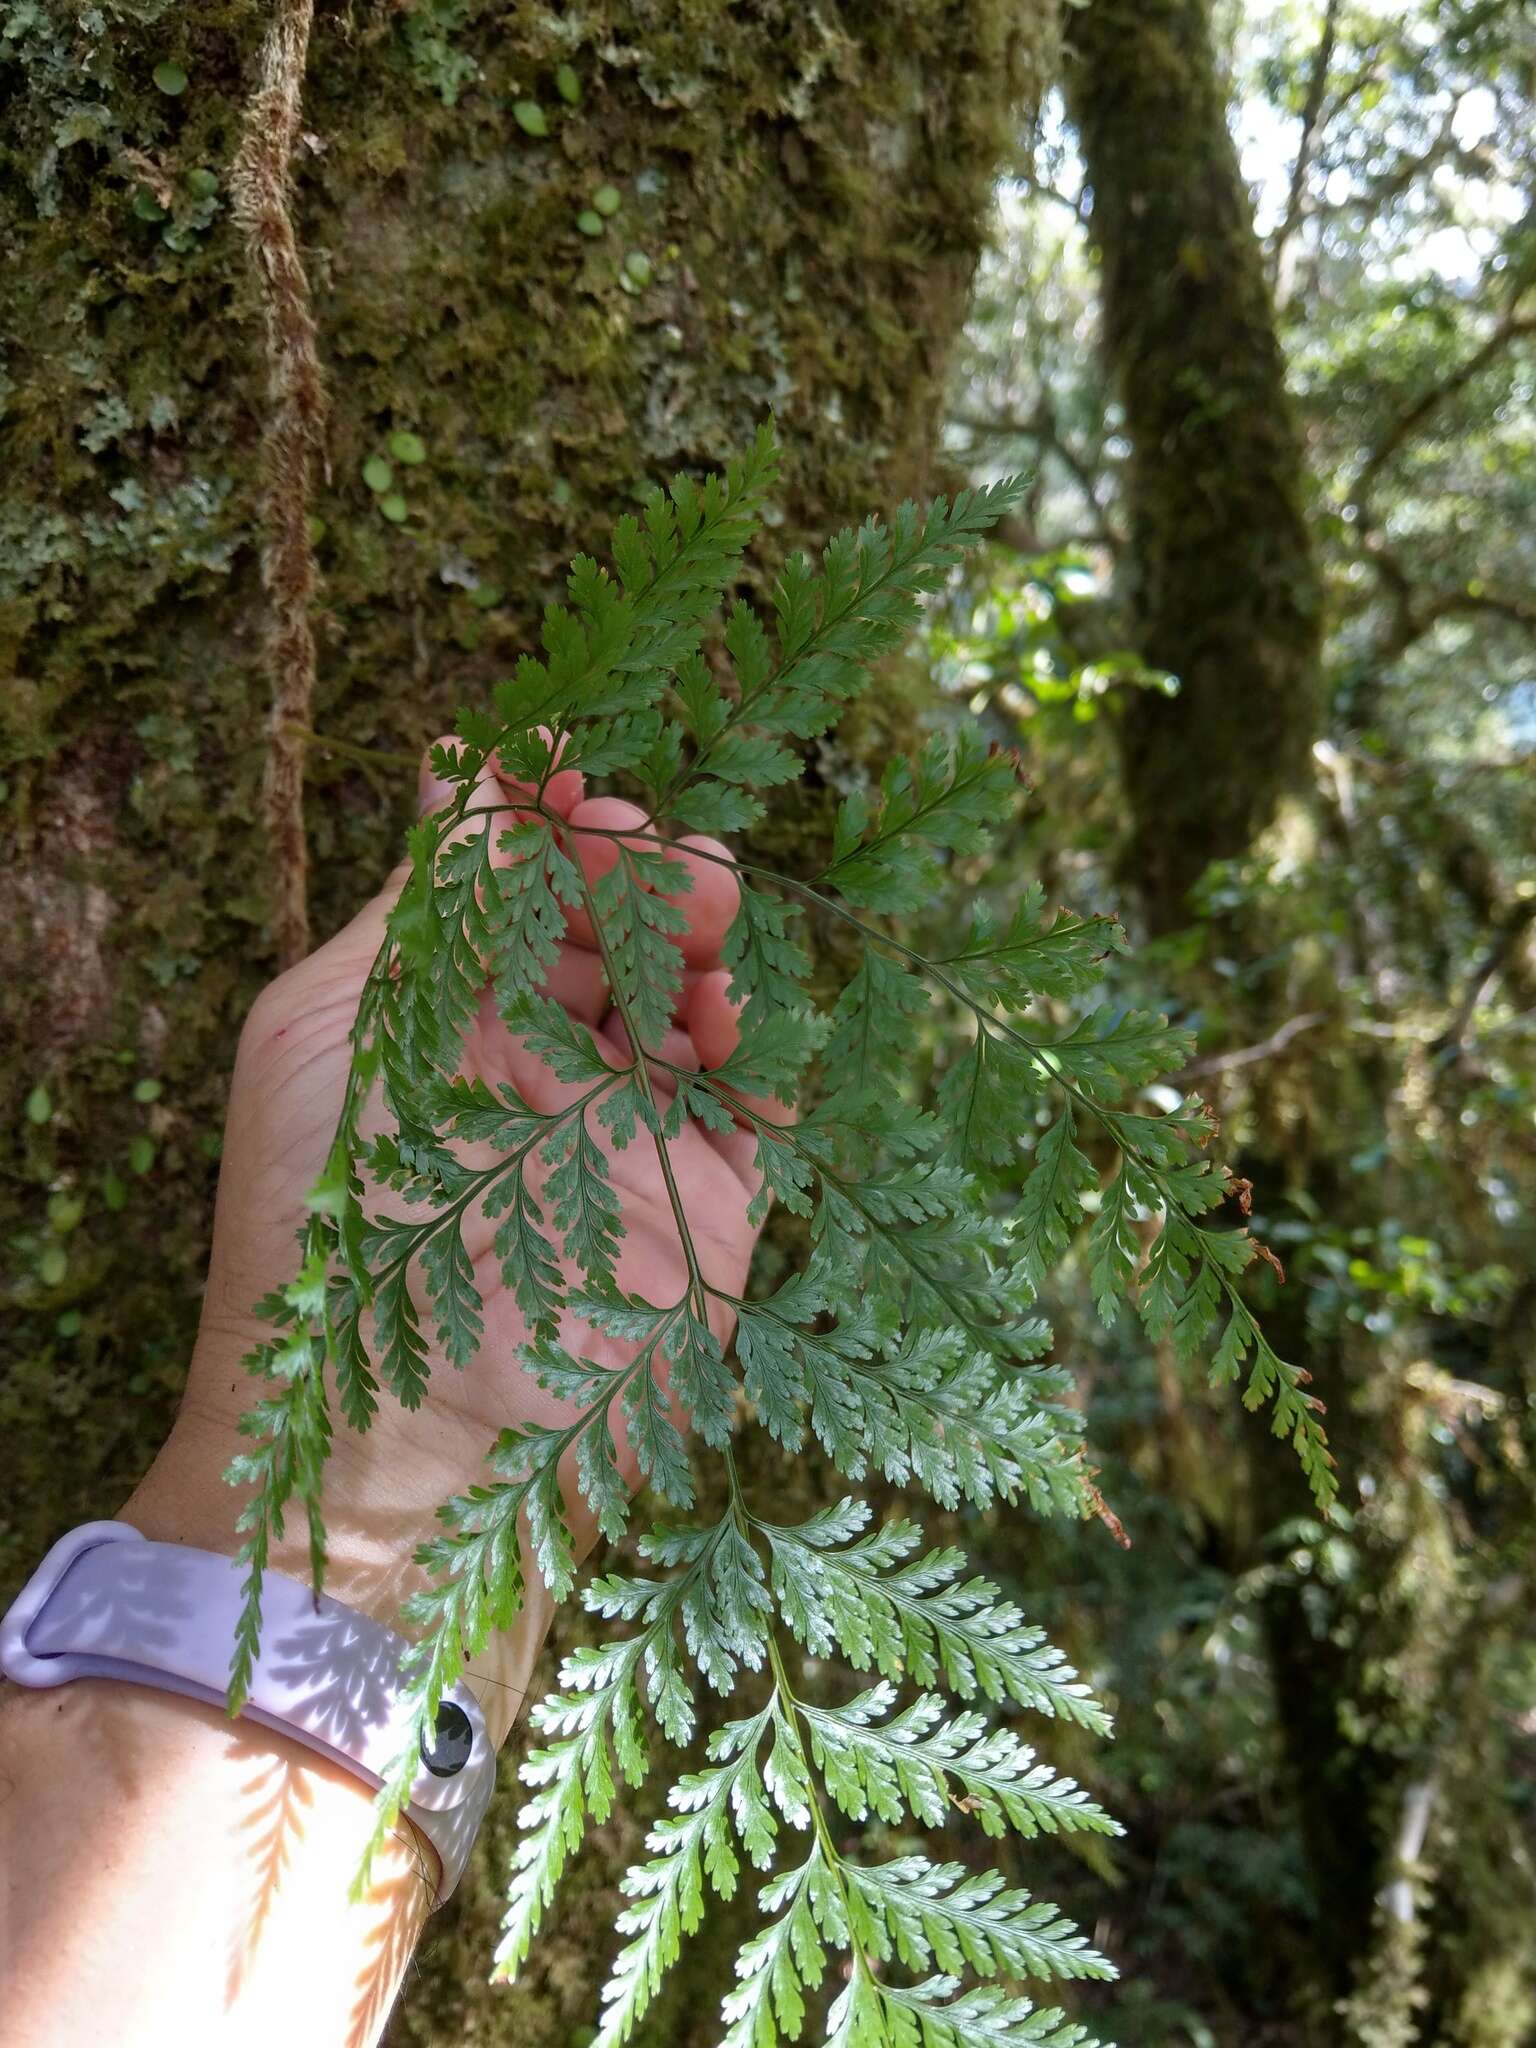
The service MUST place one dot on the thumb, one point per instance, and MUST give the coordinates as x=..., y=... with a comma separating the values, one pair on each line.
x=353, y=948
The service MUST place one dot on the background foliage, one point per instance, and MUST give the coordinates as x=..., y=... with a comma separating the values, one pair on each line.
x=1327, y=1735
x=1325, y=1757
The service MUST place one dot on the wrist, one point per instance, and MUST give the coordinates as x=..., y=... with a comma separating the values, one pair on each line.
x=378, y=1507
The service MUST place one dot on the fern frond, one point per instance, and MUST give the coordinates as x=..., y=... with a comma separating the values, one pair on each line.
x=908, y=1344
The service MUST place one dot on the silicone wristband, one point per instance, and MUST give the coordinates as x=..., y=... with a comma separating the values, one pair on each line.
x=108, y=1603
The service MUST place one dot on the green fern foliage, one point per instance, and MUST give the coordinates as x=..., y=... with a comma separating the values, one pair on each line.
x=909, y=1346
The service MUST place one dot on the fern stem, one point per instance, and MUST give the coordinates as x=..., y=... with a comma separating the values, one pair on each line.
x=483, y=1179
x=745, y=1522
x=697, y=1285
x=741, y=711
x=1102, y=1114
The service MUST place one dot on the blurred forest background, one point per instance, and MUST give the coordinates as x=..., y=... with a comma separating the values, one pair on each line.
x=1251, y=289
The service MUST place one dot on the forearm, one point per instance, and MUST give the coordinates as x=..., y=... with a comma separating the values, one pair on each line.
x=171, y=1875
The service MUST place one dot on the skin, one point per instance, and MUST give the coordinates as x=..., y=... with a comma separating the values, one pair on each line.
x=184, y=1873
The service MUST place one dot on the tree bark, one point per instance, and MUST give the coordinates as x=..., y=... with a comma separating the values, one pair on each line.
x=1222, y=586
x=803, y=194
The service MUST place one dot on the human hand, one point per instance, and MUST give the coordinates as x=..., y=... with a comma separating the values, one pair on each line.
x=382, y=1486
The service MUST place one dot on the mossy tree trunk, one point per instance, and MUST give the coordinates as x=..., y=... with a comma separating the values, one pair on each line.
x=801, y=198
x=1222, y=586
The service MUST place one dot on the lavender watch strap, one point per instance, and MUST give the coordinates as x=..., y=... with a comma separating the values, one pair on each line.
x=107, y=1603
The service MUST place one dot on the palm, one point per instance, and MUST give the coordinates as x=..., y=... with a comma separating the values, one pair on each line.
x=714, y=1179
x=287, y=1093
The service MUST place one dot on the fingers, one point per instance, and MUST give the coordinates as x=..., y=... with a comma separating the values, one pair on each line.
x=714, y=1025
x=706, y=1031
x=675, y=1050
x=357, y=943
x=432, y=792
x=592, y=822
x=354, y=946
x=710, y=905
x=504, y=1057
x=713, y=1019
x=577, y=982
x=562, y=791
x=709, y=897
x=710, y=1030
x=484, y=807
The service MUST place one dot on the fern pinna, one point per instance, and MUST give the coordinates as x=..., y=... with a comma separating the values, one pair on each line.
x=908, y=1346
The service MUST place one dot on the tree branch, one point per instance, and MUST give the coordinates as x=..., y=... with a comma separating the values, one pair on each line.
x=1501, y=956
x=1511, y=327
x=1317, y=86
x=1042, y=428
x=1250, y=1055
x=1415, y=614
